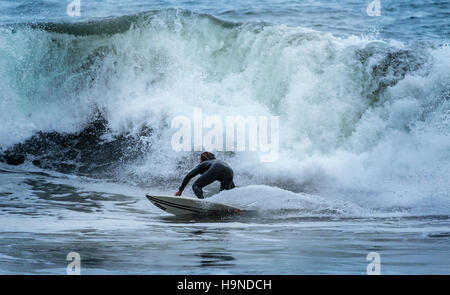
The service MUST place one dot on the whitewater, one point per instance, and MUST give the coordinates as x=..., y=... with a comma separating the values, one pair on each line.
x=364, y=157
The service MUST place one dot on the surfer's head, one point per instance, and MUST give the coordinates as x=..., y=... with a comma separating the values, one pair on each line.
x=205, y=156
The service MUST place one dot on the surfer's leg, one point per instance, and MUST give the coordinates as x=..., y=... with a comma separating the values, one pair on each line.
x=226, y=181
x=227, y=184
x=203, y=181
x=198, y=191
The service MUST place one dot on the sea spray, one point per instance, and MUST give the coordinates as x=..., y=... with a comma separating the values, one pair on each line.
x=360, y=119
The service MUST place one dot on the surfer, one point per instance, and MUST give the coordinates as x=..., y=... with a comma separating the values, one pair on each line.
x=211, y=170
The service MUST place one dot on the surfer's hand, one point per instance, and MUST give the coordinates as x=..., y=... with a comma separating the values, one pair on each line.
x=178, y=193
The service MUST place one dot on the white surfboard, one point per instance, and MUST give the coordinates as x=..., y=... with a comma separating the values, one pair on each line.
x=191, y=206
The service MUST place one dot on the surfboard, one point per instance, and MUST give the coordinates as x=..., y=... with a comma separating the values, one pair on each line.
x=191, y=206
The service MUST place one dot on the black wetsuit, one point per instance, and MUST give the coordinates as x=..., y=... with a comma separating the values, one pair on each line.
x=211, y=170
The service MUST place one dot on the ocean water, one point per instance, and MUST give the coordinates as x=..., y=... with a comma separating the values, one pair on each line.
x=86, y=105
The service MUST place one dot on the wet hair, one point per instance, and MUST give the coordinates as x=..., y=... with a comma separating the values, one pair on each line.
x=207, y=156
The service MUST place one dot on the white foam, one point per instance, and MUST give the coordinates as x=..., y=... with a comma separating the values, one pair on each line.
x=394, y=152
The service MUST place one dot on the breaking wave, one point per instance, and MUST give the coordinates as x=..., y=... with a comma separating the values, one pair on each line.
x=361, y=120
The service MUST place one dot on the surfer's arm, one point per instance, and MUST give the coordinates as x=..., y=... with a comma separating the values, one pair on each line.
x=194, y=172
